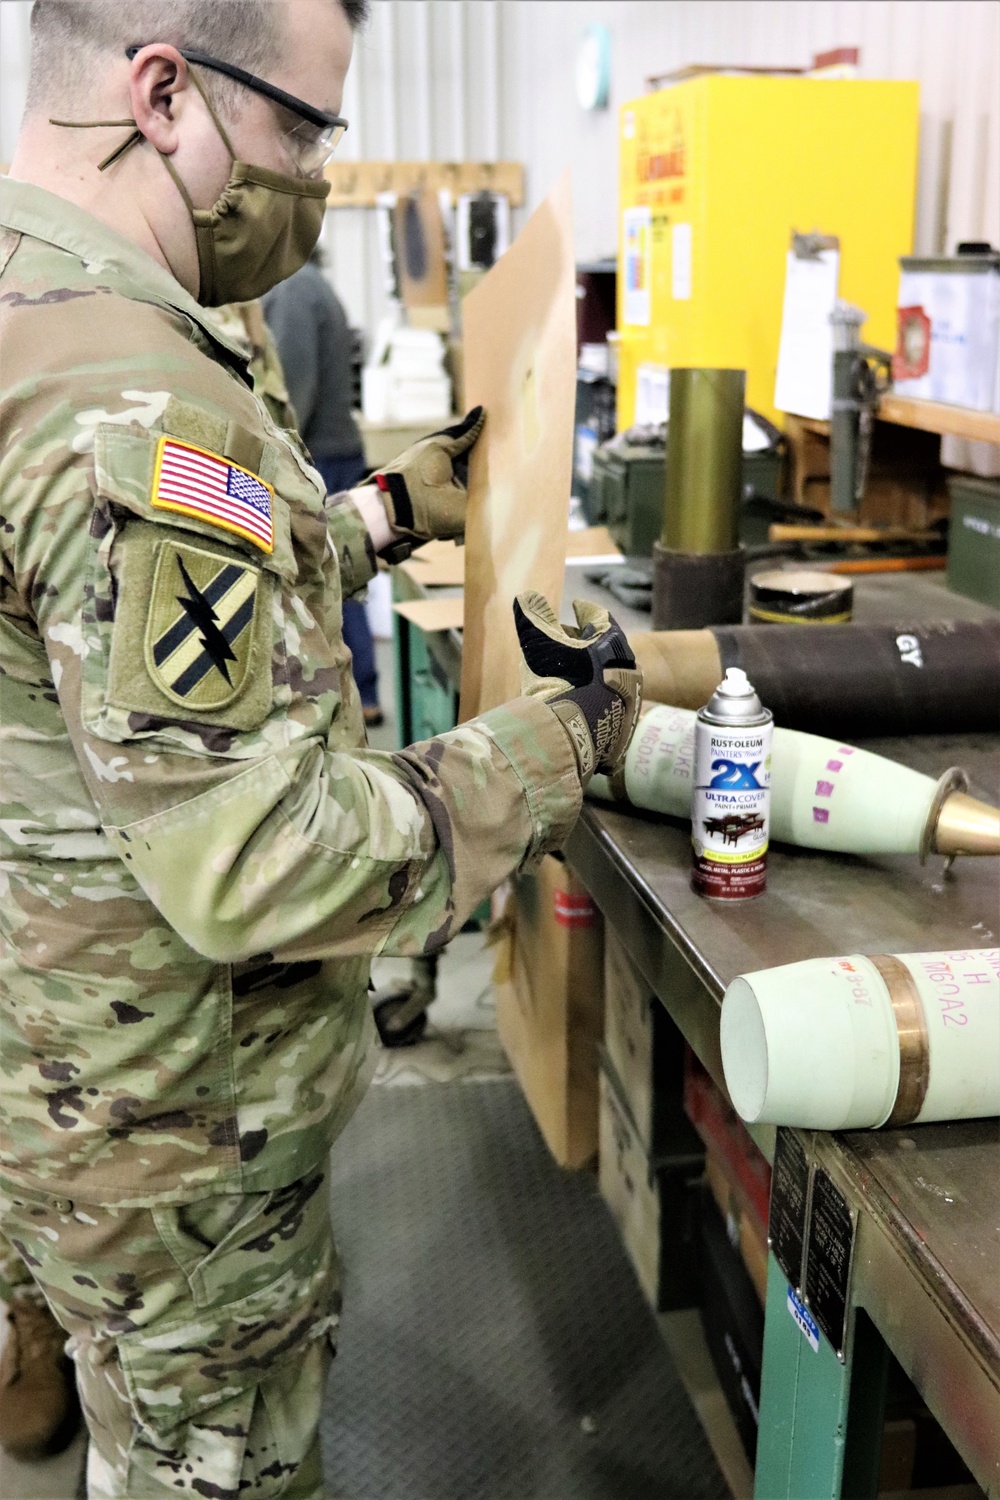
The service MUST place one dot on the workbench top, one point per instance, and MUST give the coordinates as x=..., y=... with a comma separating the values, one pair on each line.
x=928, y=1264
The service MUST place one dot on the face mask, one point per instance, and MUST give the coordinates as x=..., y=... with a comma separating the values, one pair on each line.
x=261, y=229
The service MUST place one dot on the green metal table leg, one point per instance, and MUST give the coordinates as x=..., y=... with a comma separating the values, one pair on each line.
x=820, y=1420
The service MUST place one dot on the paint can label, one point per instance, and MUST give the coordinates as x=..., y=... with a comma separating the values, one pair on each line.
x=730, y=809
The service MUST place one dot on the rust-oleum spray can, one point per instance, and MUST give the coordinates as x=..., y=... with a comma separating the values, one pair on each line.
x=730, y=810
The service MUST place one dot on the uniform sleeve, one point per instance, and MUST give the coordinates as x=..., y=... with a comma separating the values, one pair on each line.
x=313, y=852
x=239, y=816
x=351, y=541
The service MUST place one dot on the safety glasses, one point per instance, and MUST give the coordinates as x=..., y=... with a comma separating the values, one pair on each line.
x=310, y=141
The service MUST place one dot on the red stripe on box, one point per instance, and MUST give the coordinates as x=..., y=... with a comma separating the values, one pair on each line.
x=574, y=910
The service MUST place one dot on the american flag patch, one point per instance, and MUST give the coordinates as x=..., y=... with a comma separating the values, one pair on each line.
x=201, y=484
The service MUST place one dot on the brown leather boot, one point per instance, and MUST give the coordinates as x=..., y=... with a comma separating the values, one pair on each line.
x=39, y=1409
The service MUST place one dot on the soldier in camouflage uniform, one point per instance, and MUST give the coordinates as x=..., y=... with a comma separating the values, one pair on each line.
x=39, y=1410
x=200, y=856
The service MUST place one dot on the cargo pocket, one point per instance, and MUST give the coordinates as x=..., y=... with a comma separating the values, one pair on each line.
x=194, y=1385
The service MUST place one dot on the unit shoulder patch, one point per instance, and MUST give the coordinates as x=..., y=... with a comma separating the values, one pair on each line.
x=193, y=632
x=199, y=626
x=196, y=482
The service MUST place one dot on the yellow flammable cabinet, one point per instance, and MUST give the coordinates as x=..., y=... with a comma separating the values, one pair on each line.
x=716, y=174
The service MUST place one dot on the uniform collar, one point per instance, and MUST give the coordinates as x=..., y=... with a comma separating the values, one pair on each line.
x=42, y=215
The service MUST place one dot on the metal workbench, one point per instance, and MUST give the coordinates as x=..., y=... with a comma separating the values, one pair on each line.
x=924, y=1277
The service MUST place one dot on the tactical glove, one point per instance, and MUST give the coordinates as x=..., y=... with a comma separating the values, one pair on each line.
x=424, y=491
x=586, y=673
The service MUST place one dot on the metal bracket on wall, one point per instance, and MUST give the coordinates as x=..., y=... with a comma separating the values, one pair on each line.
x=357, y=184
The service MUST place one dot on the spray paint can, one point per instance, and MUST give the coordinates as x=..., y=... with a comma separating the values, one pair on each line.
x=730, y=810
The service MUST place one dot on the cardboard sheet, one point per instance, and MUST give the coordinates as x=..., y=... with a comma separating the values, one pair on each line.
x=437, y=563
x=592, y=544
x=519, y=338
x=433, y=614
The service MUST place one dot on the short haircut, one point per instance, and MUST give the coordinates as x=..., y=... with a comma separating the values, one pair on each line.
x=66, y=35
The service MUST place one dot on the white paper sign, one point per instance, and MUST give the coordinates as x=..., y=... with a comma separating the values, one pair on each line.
x=637, y=236
x=805, y=355
x=652, y=395
x=680, y=263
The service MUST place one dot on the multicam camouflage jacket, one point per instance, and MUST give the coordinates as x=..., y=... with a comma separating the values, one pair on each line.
x=198, y=854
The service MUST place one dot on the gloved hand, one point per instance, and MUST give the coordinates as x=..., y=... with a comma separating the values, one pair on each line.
x=586, y=673
x=424, y=491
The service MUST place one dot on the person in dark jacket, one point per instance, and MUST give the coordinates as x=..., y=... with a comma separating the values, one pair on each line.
x=310, y=329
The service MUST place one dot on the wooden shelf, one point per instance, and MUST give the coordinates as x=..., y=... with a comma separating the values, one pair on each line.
x=934, y=416
x=357, y=184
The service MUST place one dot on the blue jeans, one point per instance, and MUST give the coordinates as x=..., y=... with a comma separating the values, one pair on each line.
x=340, y=474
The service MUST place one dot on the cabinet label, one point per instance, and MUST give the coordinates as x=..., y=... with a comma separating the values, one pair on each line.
x=786, y=1228
x=829, y=1251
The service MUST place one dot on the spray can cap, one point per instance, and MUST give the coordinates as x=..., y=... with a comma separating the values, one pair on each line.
x=735, y=684
x=735, y=701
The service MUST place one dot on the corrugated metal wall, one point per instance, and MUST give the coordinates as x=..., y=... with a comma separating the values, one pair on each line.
x=494, y=78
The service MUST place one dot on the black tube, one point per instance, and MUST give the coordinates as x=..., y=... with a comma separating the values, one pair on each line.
x=872, y=679
x=692, y=589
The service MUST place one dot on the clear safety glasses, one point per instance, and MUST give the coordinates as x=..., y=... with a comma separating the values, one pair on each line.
x=313, y=134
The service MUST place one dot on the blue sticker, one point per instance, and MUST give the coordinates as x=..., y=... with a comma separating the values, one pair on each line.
x=807, y=1323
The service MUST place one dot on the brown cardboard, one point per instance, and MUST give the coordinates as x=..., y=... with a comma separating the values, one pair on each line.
x=742, y=1223
x=629, y=1189
x=645, y=1052
x=551, y=1010
x=433, y=614
x=628, y=1033
x=436, y=563
x=519, y=341
x=592, y=541
x=650, y=1201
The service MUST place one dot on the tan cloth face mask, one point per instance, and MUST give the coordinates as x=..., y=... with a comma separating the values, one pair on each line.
x=262, y=227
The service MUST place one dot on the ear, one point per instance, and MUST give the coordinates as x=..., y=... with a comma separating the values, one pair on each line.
x=158, y=88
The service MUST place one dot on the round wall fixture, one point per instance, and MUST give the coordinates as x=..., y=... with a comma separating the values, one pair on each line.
x=593, y=68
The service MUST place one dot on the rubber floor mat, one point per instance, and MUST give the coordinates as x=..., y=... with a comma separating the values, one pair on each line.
x=495, y=1344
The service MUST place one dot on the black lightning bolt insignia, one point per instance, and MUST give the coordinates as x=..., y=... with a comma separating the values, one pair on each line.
x=204, y=619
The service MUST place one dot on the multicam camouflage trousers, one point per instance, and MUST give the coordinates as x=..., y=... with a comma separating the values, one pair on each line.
x=202, y=1335
x=15, y=1278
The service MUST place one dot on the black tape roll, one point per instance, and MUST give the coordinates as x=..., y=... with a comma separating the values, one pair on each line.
x=872, y=679
x=799, y=595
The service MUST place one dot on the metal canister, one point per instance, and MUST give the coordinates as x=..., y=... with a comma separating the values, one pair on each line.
x=800, y=596
x=730, y=810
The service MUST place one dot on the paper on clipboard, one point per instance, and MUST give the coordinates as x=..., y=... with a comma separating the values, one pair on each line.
x=804, y=383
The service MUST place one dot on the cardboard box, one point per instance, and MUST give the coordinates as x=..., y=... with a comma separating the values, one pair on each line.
x=733, y=1320
x=645, y=1050
x=652, y=1201
x=721, y=1128
x=746, y=1232
x=549, y=982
